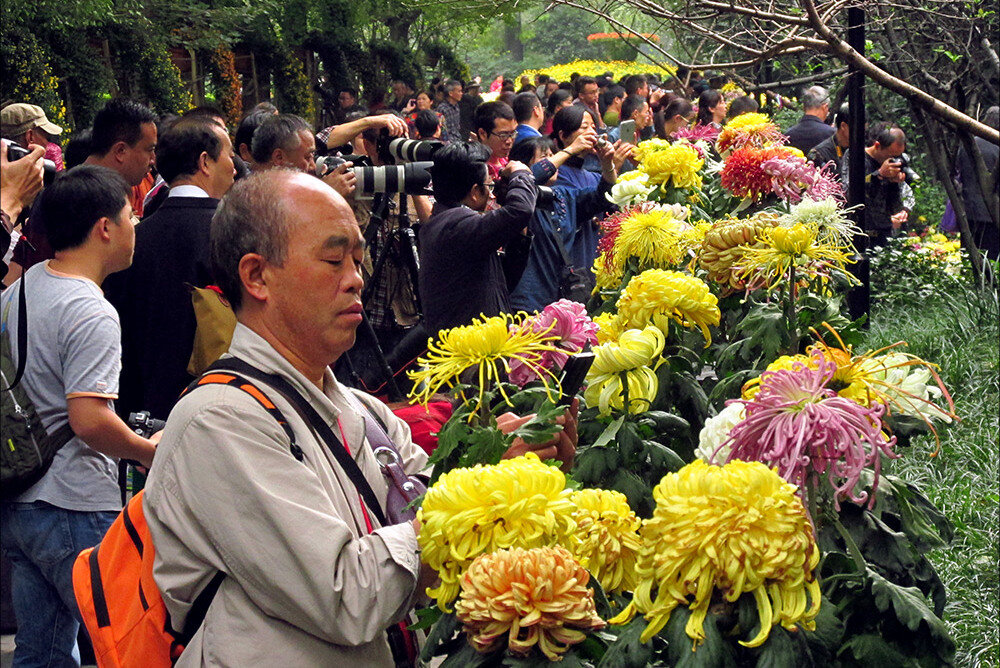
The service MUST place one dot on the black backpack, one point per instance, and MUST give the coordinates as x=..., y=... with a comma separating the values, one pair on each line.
x=27, y=450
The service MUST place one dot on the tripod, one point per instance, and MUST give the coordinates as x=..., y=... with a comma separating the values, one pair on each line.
x=400, y=245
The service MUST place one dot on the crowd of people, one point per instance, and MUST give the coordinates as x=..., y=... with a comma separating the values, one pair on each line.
x=278, y=221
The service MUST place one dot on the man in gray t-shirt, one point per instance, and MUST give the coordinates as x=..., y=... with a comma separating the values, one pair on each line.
x=73, y=359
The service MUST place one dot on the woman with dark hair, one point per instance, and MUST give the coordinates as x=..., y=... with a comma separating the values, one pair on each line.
x=744, y=104
x=559, y=99
x=679, y=113
x=711, y=108
x=563, y=235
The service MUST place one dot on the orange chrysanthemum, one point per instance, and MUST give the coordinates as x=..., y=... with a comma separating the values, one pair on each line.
x=533, y=597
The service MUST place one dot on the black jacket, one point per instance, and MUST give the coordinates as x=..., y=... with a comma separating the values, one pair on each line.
x=825, y=151
x=157, y=318
x=808, y=132
x=883, y=199
x=461, y=275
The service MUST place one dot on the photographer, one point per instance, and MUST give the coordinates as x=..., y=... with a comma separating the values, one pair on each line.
x=286, y=140
x=884, y=177
x=461, y=276
x=20, y=183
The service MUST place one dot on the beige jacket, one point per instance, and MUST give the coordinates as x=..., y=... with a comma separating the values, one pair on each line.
x=305, y=585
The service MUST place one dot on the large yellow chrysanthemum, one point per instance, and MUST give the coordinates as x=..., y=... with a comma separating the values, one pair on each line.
x=722, y=248
x=738, y=528
x=678, y=164
x=656, y=239
x=657, y=296
x=780, y=249
x=467, y=512
x=635, y=355
x=606, y=540
x=607, y=272
x=487, y=344
x=531, y=597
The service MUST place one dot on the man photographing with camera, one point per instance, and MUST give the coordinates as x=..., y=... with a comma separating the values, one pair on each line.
x=884, y=176
x=461, y=276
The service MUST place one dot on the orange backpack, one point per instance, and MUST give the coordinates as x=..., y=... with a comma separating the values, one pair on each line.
x=120, y=603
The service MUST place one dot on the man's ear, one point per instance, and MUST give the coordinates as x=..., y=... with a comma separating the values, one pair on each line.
x=482, y=134
x=119, y=150
x=278, y=156
x=253, y=270
x=244, y=152
x=102, y=229
x=203, y=161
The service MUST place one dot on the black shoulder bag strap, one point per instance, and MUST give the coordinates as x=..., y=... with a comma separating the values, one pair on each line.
x=22, y=336
x=315, y=420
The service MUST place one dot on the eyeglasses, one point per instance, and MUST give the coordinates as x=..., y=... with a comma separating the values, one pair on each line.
x=489, y=186
x=505, y=136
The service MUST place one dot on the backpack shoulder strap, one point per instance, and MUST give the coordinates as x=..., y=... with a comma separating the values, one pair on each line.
x=22, y=333
x=314, y=420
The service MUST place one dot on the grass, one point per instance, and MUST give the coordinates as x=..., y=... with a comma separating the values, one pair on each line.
x=958, y=331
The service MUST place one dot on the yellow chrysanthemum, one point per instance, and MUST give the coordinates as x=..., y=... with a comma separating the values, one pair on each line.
x=537, y=597
x=608, y=273
x=487, y=344
x=657, y=296
x=738, y=528
x=655, y=239
x=722, y=248
x=634, y=356
x=678, y=164
x=609, y=327
x=606, y=541
x=519, y=502
x=780, y=249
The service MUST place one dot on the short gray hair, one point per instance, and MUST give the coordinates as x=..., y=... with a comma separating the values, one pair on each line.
x=277, y=131
x=251, y=218
x=814, y=97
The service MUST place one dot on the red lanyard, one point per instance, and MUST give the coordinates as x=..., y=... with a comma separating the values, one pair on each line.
x=364, y=509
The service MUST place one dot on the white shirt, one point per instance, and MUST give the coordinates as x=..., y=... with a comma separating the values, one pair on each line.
x=187, y=191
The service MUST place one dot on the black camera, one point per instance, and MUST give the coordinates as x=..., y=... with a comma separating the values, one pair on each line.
x=904, y=166
x=145, y=424
x=413, y=178
x=545, y=199
x=15, y=152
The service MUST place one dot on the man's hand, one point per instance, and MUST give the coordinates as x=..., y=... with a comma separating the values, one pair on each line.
x=656, y=95
x=342, y=179
x=513, y=166
x=899, y=218
x=395, y=124
x=617, y=154
x=20, y=181
x=410, y=106
x=561, y=447
x=889, y=170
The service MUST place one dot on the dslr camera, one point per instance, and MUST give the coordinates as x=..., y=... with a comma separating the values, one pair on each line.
x=15, y=153
x=412, y=178
x=903, y=162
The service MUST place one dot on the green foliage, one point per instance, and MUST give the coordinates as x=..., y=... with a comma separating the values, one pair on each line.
x=292, y=92
x=26, y=76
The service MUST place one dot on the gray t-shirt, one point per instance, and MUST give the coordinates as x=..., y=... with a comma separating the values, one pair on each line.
x=74, y=350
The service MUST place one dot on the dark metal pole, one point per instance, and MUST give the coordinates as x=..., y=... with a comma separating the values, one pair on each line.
x=859, y=298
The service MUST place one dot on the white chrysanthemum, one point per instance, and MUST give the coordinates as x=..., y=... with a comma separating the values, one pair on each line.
x=631, y=188
x=716, y=432
x=909, y=387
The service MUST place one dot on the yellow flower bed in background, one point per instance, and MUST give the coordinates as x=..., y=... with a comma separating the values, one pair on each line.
x=593, y=68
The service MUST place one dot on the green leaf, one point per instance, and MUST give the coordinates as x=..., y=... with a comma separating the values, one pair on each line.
x=667, y=424
x=872, y=650
x=600, y=598
x=713, y=652
x=632, y=486
x=542, y=425
x=467, y=657
x=441, y=632
x=925, y=525
x=590, y=465
x=909, y=606
x=782, y=650
x=662, y=459
x=826, y=638
x=426, y=617
x=627, y=651
x=629, y=443
x=484, y=445
x=609, y=433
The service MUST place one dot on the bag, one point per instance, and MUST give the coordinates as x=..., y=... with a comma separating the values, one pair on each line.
x=403, y=489
x=118, y=599
x=574, y=285
x=28, y=450
x=215, y=322
x=948, y=221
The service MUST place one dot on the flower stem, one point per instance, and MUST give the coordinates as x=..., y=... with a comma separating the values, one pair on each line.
x=791, y=318
x=625, y=399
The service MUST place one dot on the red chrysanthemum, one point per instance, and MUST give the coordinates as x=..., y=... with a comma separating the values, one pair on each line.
x=611, y=226
x=743, y=174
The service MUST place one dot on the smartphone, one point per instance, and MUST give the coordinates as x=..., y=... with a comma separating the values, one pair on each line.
x=573, y=376
x=627, y=129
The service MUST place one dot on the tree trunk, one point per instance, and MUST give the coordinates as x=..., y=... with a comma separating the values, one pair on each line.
x=512, y=38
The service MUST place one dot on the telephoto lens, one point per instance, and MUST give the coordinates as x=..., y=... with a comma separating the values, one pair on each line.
x=412, y=150
x=413, y=178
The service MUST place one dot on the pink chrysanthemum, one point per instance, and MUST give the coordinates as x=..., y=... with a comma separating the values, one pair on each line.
x=743, y=174
x=564, y=319
x=697, y=133
x=793, y=177
x=800, y=426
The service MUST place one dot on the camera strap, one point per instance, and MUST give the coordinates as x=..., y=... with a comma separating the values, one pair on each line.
x=22, y=334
